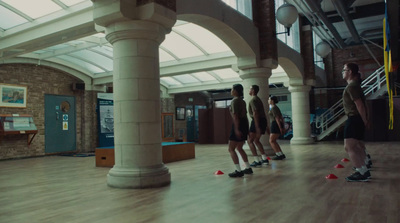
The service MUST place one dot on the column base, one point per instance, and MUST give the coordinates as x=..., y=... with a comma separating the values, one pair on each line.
x=138, y=178
x=302, y=141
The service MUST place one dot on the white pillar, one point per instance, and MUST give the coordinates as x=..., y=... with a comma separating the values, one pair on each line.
x=137, y=112
x=258, y=76
x=301, y=114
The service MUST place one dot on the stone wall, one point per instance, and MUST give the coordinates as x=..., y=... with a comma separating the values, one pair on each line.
x=41, y=80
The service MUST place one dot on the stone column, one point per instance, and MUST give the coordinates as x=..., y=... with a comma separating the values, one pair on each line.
x=137, y=111
x=136, y=34
x=301, y=114
x=258, y=76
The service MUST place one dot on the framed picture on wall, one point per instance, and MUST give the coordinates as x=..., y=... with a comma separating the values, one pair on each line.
x=180, y=113
x=13, y=96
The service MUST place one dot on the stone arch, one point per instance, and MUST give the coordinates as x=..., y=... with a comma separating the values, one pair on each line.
x=291, y=62
x=236, y=30
x=67, y=69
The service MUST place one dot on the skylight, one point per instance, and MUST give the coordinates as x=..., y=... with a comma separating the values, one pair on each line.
x=186, y=79
x=34, y=9
x=204, y=38
x=170, y=81
x=227, y=73
x=181, y=47
x=204, y=76
x=9, y=19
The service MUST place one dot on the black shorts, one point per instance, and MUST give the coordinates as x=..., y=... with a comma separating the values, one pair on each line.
x=243, y=128
x=275, y=128
x=354, y=128
x=262, y=124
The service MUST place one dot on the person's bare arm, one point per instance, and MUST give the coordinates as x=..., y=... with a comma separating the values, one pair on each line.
x=362, y=110
x=235, y=118
x=279, y=122
x=256, y=116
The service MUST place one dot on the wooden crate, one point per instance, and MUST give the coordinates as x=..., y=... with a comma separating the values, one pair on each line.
x=105, y=157
x=177, y=151
x=171, y=152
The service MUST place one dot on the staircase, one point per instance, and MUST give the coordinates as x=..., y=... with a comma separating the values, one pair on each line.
x=334, y=117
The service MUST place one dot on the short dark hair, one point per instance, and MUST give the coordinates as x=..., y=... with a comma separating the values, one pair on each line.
x=255, y=88
x=239, y=89
x=274, y=98
x=353, y=67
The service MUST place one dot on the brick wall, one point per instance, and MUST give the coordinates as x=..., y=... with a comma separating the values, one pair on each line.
x=90, y=137
x=334, y=65
x=264, y=19
x=40, y=80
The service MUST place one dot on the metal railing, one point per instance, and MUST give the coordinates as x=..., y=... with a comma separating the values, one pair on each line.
x=371, y=84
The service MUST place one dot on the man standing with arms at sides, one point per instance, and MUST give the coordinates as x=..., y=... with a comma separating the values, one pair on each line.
x=357, y=121
x=258, y=127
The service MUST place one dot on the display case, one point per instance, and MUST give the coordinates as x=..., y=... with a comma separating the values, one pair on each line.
x=16, y=124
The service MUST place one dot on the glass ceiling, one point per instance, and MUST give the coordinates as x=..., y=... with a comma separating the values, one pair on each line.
x=187, y=44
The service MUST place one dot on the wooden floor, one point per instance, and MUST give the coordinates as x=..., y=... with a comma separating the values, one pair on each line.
x=71, y=189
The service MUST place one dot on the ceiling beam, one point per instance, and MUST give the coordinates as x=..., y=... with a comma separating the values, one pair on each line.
x=359, y=12
x=50, y=33
x=198, y=64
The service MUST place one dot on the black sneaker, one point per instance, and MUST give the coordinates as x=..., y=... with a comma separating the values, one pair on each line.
x=357, y=177
x=278, y=157
x=369, y=167
x=368, y=174
x=369, y=160
x=236, y=174
x=265, y=162
x=248, y=171
x=256, y=164
x=283, y=156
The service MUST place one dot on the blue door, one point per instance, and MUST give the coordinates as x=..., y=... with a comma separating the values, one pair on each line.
x=60, y=126
x=190, y=124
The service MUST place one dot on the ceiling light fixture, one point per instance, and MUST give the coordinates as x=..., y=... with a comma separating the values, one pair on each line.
x=286, y=15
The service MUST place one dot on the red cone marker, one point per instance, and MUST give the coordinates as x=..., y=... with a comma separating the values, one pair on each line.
x=339, y=166
x=218, y=172
x=331, y=176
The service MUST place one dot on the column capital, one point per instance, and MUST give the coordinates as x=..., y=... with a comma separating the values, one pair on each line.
x=106, y=12
x=135, y=29
x=257, y=72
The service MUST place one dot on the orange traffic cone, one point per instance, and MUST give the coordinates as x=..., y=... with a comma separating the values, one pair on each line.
x=339, y=166
x=331, y=176
x=219, y=172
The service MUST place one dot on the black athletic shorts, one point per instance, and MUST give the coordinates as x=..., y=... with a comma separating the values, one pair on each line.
x=262, y=124
x=275, y=128
x=354, y=128
x=243, y=128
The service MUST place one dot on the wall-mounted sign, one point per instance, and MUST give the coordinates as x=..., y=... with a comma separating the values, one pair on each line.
x=65, y=117
x=65, y=126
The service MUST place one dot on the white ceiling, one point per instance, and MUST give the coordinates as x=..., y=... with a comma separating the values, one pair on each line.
x=190, y=56
x=186, y=44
